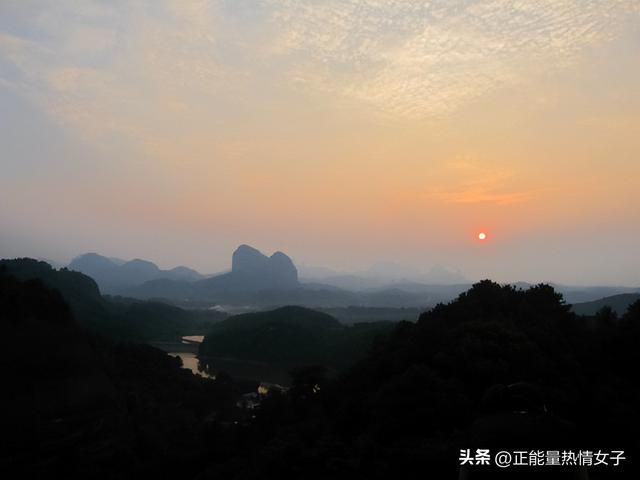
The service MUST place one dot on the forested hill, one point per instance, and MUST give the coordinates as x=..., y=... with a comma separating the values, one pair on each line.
x=76, y=406
x=497, y=368
x=292, y=336
x=116, y=318
x=617, y=303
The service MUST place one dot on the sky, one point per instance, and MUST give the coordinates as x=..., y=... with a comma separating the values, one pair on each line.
x=344, y=133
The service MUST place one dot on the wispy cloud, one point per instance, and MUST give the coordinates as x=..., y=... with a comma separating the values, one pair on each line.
x=125, y=65
x=115, y=68
x=423, y=59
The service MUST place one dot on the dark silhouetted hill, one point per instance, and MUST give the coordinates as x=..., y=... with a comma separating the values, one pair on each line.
x=116, y=318
x=618, y=303
x=291, y=336
x=498, y=368
x=54, y=388
x=75, y=406
x=582, y=294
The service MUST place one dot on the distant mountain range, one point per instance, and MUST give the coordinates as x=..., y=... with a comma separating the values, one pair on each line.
x=114, y=275
x=618, y=303
x=255, y=280
x=258, y=281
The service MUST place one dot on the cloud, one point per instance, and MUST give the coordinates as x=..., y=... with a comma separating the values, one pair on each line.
x=105, y=69
x=421, y=59
x=124, y=68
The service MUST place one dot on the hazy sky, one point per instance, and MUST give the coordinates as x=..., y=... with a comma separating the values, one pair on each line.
x=341, y=132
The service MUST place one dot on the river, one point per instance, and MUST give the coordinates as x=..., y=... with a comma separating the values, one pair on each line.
x=246, y=370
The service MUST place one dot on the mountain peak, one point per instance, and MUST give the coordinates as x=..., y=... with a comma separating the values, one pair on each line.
x=276, y=271
x=89, y=263
x=246, y=258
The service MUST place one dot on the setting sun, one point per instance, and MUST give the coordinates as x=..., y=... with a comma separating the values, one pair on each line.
x=482, y=236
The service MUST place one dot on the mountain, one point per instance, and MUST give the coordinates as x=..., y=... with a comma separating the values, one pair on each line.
x=252, y=271
x=114, y=275
x=117, y=318
x=50, y=372
x=252, y=274
x=79, y=290
x=580, y=294
x=290, y=336
x=75, y=406
x=618, y=303
x=183, y=273
x=261, y=281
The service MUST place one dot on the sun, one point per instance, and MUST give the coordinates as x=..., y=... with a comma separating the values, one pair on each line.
x=482, y=236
